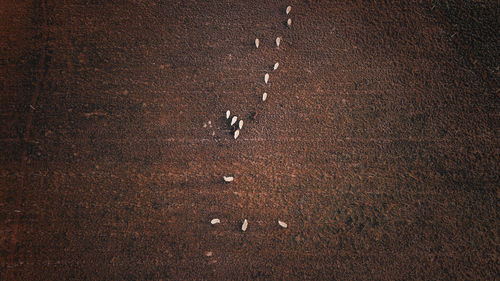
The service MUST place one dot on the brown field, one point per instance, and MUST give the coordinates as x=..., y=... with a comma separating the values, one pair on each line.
x=378, y=143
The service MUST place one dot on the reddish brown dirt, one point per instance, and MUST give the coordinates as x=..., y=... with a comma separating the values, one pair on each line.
x=378, y=143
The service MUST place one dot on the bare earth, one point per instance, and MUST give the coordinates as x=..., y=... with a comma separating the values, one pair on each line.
x=378, y=143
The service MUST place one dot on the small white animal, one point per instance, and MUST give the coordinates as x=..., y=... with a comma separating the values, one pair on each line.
x=257, y=42
x=236, y=134
x=289, y=22
x=240, y=124
x=278, y=41
x=228, y=178
x=276, y=66
x=215, y=221
x=266, y=78
x=228, y=113
x=288, y=9
x=282, y=224
x=234, y=120
x=264, y=96
x=244, y=225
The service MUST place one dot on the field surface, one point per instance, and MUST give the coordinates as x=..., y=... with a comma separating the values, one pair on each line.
x=378, y=143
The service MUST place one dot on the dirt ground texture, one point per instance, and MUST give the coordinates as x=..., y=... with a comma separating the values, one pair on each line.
x=378, y=143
